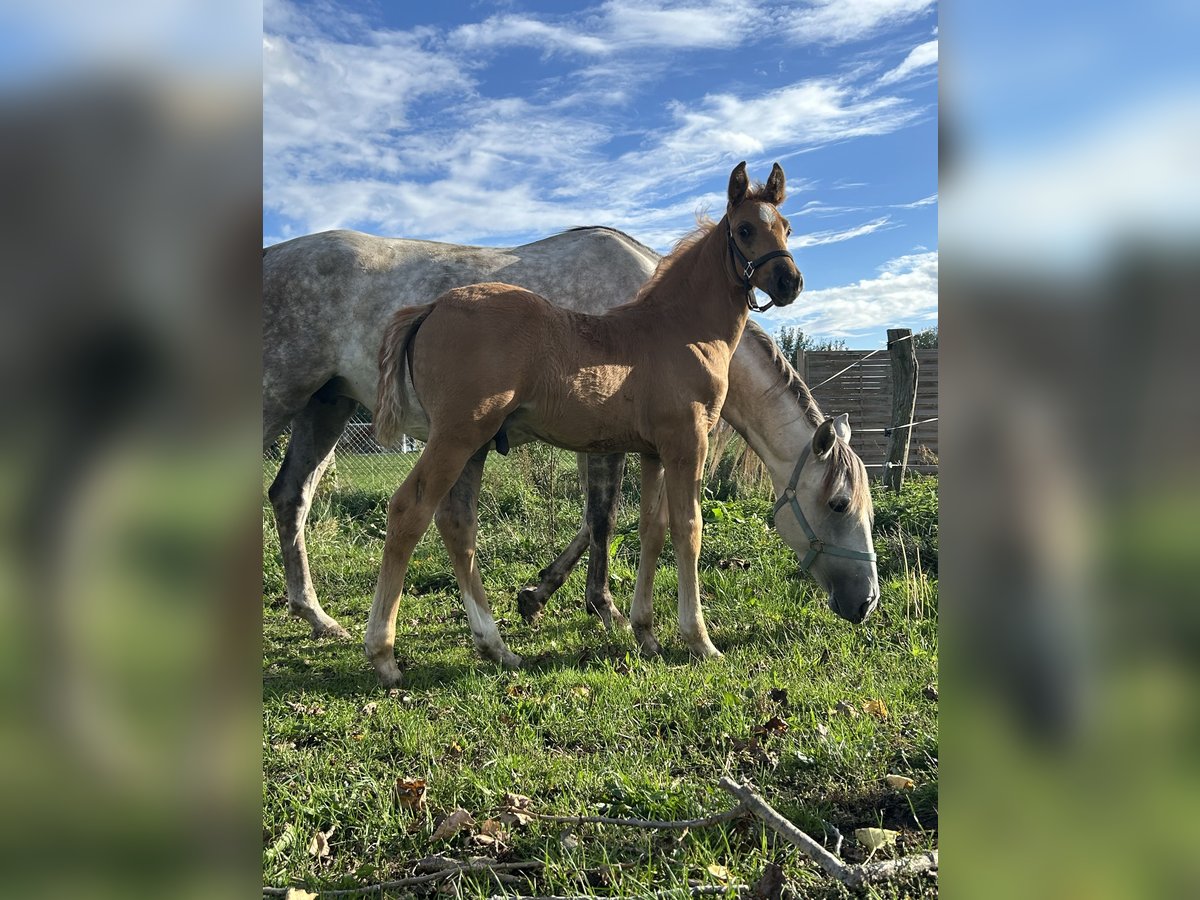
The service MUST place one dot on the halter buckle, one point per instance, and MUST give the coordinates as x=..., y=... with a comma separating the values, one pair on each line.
x=748, y=272
x=816, y=545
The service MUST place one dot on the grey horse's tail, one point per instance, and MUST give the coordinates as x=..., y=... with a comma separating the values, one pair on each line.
x=390, y=406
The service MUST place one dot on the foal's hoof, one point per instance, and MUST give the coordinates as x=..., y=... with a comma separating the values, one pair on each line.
x=647, y=644
x=529, y=604
x=706, y=651
x=330, y=629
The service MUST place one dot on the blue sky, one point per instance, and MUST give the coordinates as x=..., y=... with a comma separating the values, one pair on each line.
x=501, y=123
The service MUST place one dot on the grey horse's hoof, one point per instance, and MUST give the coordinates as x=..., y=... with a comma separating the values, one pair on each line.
x=529, y=604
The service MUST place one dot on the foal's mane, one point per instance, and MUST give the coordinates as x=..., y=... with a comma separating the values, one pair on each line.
x=844, y=462
x=689, y=242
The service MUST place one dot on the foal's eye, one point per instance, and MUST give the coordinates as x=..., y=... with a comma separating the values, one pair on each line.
x=744, y=231
x=839, y=504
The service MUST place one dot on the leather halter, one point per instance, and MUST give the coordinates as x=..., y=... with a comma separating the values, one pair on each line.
x=745, y=268
x=816, y=546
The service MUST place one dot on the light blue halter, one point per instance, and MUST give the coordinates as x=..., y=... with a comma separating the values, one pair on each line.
x=816, y=546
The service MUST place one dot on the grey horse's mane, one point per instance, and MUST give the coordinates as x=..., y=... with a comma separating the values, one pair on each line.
x=844, y=462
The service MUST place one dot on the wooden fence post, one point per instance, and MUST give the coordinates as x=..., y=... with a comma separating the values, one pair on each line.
x=904, y=403
x=801, y=364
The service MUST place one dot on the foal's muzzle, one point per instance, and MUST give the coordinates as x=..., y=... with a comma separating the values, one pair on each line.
x=786, y=284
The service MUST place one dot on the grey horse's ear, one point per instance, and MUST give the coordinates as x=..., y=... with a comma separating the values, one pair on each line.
x=824, y=439
x=775, y=191
x=841, y=426
x=739, y=184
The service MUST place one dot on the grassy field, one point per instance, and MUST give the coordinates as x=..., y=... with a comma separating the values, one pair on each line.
x=586, y=727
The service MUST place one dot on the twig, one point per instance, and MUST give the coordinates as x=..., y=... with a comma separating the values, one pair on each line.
x=849, y=875
x=441, y=874
x=708, y=890
x=714, y=819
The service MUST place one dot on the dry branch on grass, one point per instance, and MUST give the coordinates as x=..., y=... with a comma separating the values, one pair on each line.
x=848, y=874
x=654, y=824
x=749, y=800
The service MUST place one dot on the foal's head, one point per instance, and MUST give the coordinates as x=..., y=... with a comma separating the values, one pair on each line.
x=758, y=235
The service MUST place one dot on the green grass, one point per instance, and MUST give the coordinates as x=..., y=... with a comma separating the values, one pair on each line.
x=586, y=727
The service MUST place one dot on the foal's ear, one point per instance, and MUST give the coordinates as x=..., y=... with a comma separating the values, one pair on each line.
x=739, y=184
x=841, y=427
x=824, y=439
x=776, y=190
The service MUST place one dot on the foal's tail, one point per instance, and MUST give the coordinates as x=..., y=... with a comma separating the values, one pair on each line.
x=391, y=408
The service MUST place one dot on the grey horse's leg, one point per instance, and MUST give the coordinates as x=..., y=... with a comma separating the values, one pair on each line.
x=604, y=495
x=604, y=471
x=315, y=432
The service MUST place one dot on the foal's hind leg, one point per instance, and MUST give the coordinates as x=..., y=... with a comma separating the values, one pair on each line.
x=409, y=513
x=457, y=520
x=604, y=491
x=315, y=431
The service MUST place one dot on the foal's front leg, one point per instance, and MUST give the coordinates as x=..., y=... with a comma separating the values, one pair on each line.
x=683, y=497
x=457, y=520
x=652, y=531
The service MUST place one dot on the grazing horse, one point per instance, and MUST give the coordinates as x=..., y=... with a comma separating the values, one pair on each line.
x=649, y=376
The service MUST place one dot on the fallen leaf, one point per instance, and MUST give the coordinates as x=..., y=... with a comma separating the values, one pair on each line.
x=515, y=811
x=492, y=828
x=569, y=842
x=515, y=690
x=874, y=838
x=306, y=709
x=298, y=894
x=822, y=731
x=368, y=709
x=318, y=844
x=876, y=708
x=455, y=749
x=931, y=692
x=718, y=872
x=845, y=709
x=900, y=782
x=453, y=824
x=483, y=840
x=410, y=792
x=774, y=725
x=583, y=691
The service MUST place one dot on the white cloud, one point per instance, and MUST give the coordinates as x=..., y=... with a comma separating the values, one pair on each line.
x=696, y=26
x=342, y=149
x=904, y=295
x=842, y=21
x=516, y=30
x=921, y=57
x=816, y=238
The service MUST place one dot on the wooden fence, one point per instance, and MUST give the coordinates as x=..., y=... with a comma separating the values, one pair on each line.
x=865, y=392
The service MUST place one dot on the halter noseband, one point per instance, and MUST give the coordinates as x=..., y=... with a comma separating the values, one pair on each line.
x=816, y=546
x=745, y=268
